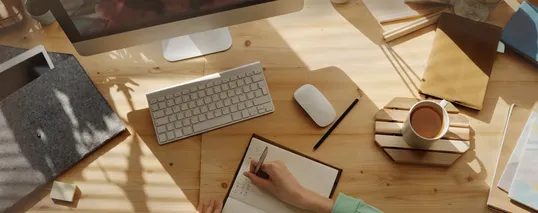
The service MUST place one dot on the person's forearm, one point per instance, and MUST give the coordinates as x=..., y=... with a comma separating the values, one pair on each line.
x=317, y=203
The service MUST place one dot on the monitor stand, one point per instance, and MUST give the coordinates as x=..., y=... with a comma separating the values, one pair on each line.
x=197, y=44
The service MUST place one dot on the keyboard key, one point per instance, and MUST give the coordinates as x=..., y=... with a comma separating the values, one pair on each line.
x=233, y=85
x=253, y=87
x=236, y=116
x=258, y=71
x=204, y=109
x=194, y=96
x=240, y=83
x=226, y=110
x=186, y=98
x=233, y=78
x=241, y=106
x=194, y=119
x=179, y=124
x=196, y=111
x=201, y=94
x=185, y=92
x=250, y=73
x=161, y=129
x=208, y=100
x=180, y=116
x=201, y=117
x=201, y=87
x=235, y=100
x=162, y=138
x=220, y=104
x=188, y=114
x=199, y=102
x=187, y=130
x=261, y=109
x=249, y=103
x=227, y=102
x=194, y=89
x=258, y=93
x=161, y=121
x=242, y=97
x=210, y=84
x=169, y=96
x=223, y=95
x=253, y=111
x=178, y=100
x=225, y=80
x=225, y=87
x=192, y=105
x=245, y=113
x=264, y=90
x=217, y=89
x=246, y=89
x=170, y=103
x=171, y=135
x=242, y=75
x=152, y=101
x=187, y=122
x=161, y=98
x=238, y=91
x=177, y=94
x=178, y=133
x=154, y=107
x=234, y=108
x=261, y=100
x=250, y=95
x=172, y=118
x=212, y=106
x=168, y=111
x=215, y=98
x=231, y=93
x=209, y=91
x=257, y=77
x=218, y=82
x=210, y=115
x=212, y=123
x=268, y=107
x=184, y=107
x=170, y=126
x=248, y=81
x=162, y=105
x=158, y=114
x=218, y=113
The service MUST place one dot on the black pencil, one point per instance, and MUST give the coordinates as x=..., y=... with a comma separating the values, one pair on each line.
x=336, y=124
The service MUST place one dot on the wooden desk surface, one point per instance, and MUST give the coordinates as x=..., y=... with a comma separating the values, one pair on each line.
x=337, y=48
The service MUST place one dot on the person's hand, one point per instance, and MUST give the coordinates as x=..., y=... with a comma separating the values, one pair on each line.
x=213, y=207
x=285, y=187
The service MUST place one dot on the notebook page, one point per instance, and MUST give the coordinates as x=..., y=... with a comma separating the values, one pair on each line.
x=234, y=206
x=312, y=175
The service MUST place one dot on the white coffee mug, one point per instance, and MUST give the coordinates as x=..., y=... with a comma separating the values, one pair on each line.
x=412, y=138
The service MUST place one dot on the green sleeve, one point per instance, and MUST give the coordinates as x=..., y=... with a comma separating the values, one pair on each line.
x=346, y=204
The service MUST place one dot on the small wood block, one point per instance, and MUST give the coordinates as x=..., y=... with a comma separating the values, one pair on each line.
x=422, y=157
x=63, y=191
x=392, y=115
x=407, y=103
x=390, y=128
x=453, y=146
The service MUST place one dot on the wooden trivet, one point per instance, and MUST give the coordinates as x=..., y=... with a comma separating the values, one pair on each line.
x=444, y=152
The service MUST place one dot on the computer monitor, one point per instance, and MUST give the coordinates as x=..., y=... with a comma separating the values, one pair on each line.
x=96, y=26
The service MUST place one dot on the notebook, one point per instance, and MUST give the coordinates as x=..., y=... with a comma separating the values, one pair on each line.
x=524, y=188
x=461, y=60
x=510, y=171
x=498, y=199
x=521, y=32
x=312, y=174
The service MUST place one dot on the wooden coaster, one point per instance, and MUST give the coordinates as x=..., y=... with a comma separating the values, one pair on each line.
x=388, y=136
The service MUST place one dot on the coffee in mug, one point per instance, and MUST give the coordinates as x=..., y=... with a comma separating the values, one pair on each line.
x=426, y=123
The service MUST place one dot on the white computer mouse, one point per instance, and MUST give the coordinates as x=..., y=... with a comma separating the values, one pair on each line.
x=315, y=104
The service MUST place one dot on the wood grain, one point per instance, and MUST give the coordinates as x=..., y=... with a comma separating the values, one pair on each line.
x=422, y=157
x=389, y=128
x=134, y=174
x=454, y=146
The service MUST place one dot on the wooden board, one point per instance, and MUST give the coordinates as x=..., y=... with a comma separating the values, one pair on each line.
x=388, y=127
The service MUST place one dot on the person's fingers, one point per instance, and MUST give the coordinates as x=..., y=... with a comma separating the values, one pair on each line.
x=210, y=207
x=218, y=207
x=253, y=163
x=200, y=208
x=260, y=182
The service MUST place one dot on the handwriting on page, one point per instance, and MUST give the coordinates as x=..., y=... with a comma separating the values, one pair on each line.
x=243, y=185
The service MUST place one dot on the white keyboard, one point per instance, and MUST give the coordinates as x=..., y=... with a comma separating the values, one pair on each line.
x=209, y=103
